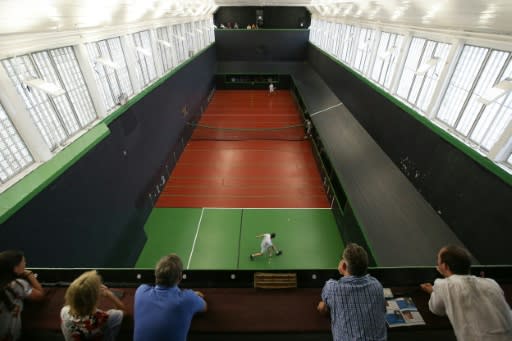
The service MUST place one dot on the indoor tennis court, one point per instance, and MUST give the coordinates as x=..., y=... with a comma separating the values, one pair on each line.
x=247, y=170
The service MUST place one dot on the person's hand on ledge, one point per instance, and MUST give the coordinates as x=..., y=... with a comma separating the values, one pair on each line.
x=322, y=308
x=106, y=292
x=427, y=287
x=200, y=294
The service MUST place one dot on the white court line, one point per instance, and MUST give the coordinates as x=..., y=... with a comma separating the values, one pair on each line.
x=195, y=238
x=268, y=208
x=318, y=112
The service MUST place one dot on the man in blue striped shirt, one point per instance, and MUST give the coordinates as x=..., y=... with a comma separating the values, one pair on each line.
x=355, y=301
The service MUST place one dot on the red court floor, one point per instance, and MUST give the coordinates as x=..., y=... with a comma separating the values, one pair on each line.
x=252, y=173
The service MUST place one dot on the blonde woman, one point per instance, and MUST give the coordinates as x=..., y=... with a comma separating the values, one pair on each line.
x=81, y=318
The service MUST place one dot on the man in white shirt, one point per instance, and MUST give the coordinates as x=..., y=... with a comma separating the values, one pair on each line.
x=266, y=246
x=476, y=306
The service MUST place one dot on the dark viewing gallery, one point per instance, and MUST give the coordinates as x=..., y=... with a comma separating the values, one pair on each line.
x=259, y=141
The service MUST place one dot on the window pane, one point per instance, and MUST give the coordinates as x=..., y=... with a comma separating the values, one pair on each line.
x=348, y=42
x=487, y=80
x=364, y=50
x=146, y=70
x=77, y=95
x=113, y=80
x=387, y=54
x=14, y=155
x=57, y=117
x=164, y=50
x=101, y=72
x=424, y=63
x=122, y=75
x=497, y=115
x=461, y=83
x=41, y=110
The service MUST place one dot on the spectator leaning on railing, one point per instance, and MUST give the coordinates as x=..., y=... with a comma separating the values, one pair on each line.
x=16, y=284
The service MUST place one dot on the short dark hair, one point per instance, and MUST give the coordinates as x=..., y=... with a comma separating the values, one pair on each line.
x=272, y=235
x=168, y=270
x=457, y=258
x=356, y=258
x=9, y=259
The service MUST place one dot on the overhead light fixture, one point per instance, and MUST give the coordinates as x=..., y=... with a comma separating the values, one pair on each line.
x=44, y=86
x=423, y=69
x=164, y=43
x=500, y=89
x=143, y=51
x=108, y=63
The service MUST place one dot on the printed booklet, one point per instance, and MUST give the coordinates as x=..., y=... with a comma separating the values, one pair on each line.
x=402, y=312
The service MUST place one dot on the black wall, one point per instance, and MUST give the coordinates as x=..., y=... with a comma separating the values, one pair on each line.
x=93, y=214
x=474, y=202
x=273, y=17
x=261, y=45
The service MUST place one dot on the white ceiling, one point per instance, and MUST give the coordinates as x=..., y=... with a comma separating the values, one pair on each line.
x=483, y=16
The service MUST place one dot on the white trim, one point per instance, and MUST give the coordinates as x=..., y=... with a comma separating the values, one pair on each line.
x=326, y=109
x=195, y=239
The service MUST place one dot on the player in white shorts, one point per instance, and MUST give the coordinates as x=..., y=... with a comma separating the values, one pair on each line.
x=266, y=246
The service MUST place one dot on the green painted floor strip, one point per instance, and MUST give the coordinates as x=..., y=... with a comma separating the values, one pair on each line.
x=309, y=238
x=217, y=243
x=169, y=230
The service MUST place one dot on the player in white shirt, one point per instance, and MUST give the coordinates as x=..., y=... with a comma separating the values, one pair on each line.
x=266, y=246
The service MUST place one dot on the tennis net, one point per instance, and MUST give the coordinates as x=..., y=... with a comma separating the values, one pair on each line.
x=295, y=132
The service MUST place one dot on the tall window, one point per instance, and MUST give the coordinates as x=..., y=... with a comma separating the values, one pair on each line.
x=424, y=63
x=111, y=72
x=14, y=155
x=58, y=113
x=145, y=63
x=191, y=38
x=198, y=31
x=322, y=34
x=210, y=27
x=179, y=42
x=364, y=50
x=207, y=29
x=387, y=55
x=331, y=33
x=464, y=107
x=165, y=47
x=348, y=43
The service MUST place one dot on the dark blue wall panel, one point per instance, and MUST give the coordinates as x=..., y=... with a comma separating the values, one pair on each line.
x=273, y=17
x=261, y=45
